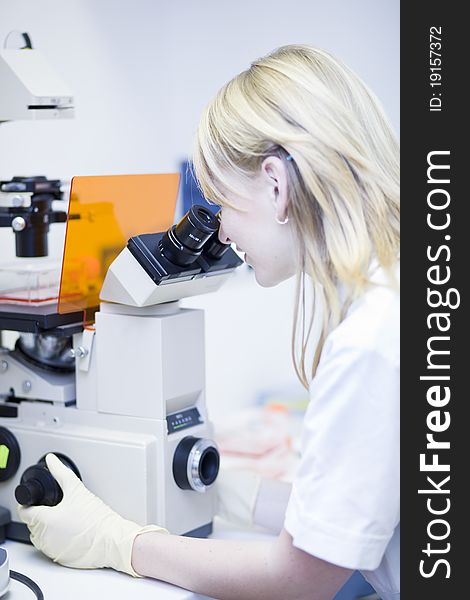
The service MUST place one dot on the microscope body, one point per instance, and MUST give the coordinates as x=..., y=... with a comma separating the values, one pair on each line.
x=139, y=393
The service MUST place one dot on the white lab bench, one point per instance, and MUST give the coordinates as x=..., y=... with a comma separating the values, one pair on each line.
x=59, y=582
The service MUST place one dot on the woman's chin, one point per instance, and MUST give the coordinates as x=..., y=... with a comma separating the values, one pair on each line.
x=265, y=279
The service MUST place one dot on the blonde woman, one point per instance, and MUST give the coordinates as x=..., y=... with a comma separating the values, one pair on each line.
x=305, y=166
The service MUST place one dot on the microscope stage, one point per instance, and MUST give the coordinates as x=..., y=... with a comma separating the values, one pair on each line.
x=36, y=319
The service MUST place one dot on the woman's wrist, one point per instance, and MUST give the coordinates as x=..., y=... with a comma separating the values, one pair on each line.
x=144, y=548
x=137, y=553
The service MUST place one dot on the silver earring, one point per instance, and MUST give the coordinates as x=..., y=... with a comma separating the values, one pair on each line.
x=286, y=220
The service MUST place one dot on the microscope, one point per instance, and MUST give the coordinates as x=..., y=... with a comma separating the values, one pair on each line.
x=121, y=399
x=108, y=370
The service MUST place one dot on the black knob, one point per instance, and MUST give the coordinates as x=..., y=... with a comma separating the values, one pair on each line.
x=38, y=486
x=30, y=493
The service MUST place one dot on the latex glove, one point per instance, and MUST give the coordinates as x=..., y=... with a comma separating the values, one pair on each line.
x=237, y=492
x=81, y=531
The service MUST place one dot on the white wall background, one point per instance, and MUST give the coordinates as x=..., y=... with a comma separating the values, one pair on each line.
x=141, y=71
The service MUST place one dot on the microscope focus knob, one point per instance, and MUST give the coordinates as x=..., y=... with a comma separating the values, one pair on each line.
x=195, y=464
x=38, y=486
x=18, y=224
x=30, y=493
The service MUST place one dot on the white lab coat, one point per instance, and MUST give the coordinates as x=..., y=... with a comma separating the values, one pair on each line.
x=344, y=505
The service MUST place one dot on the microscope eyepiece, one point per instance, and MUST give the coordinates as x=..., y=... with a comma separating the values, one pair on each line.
x=182, y=244
x=189, y=250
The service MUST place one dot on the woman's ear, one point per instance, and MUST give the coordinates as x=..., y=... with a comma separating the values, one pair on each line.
x=274, y=174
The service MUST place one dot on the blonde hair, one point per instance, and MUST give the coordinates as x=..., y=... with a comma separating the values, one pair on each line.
x=343, y=179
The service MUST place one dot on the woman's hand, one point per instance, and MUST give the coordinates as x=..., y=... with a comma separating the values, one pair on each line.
x=81, y=531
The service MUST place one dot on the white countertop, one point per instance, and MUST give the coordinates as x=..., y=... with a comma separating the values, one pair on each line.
x=58, y=582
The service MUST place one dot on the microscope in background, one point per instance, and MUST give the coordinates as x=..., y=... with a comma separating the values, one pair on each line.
x=31, y=90
x=120, y=400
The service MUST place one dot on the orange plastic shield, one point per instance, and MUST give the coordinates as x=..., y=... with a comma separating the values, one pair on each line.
x=104, y=212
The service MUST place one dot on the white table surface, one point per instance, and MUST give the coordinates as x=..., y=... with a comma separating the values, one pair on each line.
x=60, y=583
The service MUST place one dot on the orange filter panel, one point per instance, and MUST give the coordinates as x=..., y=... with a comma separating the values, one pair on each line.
x=104, y=212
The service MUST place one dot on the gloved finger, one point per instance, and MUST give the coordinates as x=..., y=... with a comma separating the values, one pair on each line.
x=64, y=476
x=31, y=514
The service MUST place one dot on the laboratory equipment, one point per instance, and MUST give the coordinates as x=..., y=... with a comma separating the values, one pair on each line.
x=26, y=205
x=33, y=90
x=119, y=398
x=107, y=370
x=4, y=572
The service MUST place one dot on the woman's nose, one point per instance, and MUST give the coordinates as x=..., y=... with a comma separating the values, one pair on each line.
x=223, y=237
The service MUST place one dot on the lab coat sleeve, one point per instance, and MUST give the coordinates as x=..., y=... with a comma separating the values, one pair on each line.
x=344, y=504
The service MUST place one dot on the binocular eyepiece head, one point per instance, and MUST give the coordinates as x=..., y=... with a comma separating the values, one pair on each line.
x=189, y=251
x=196, y=233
